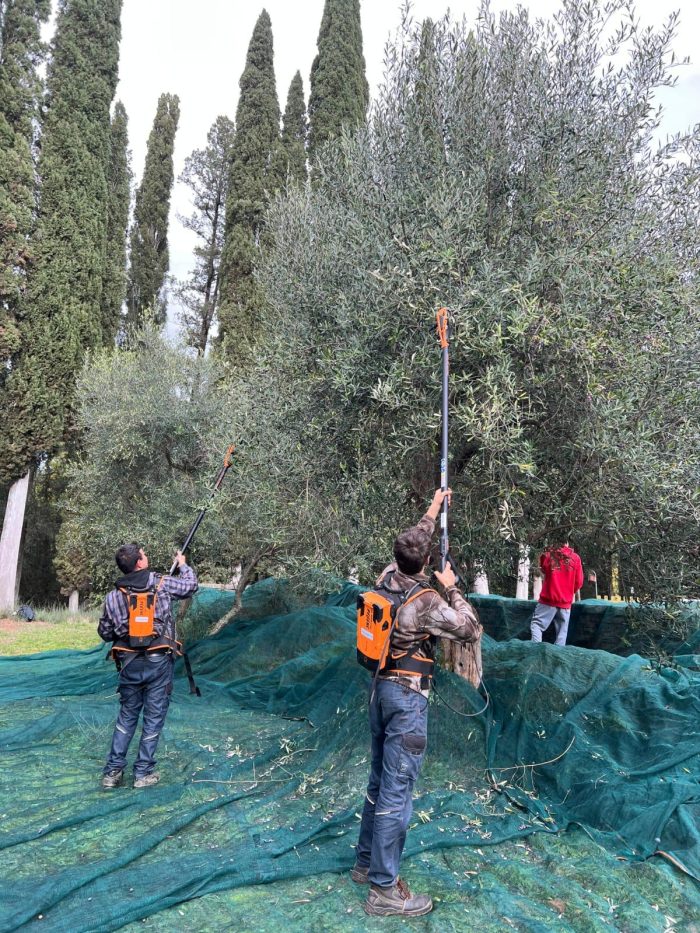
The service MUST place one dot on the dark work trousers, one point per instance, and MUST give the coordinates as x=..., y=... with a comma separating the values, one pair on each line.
x=398, y=719
x=145, y=682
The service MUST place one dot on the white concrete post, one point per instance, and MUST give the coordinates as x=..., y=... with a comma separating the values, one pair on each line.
x=523, y=585
x=481, y=581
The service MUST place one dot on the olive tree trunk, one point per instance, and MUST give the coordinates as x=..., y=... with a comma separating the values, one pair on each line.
x=463, y=660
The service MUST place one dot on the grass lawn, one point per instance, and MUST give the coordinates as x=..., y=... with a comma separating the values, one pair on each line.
x=52, y=629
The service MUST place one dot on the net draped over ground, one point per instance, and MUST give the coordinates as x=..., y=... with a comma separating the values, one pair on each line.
x=263, y=777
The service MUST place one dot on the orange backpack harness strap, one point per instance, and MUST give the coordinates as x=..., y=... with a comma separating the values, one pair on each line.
x=406, y=662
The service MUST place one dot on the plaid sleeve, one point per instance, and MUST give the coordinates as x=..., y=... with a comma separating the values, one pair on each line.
x=114, y=619
x=183, y=585
x=105, y=627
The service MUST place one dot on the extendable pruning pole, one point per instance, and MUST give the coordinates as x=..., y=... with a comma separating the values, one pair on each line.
x=198, y=520
x=443, y=329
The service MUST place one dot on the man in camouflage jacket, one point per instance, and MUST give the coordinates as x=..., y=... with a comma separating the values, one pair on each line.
x=398, y=715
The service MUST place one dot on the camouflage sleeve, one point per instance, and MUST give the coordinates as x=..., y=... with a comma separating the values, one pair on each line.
x=427, y=524
x=183, y=585
x=455, y=619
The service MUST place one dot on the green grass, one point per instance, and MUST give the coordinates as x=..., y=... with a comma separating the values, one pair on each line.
x=53, y=628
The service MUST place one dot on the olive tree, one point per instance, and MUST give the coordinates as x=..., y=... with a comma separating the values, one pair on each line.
x=510, y=173
x=154, y=422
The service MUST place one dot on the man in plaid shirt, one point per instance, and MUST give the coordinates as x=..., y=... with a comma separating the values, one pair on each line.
x=146, y=676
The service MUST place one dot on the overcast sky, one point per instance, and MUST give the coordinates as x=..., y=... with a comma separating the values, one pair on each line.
x=197, y=51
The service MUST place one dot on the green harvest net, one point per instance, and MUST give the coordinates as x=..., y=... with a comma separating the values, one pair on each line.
x=253, y=823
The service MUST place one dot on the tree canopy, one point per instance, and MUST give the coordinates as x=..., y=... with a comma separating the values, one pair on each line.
x=61, y=309
x=256, y=173
x=149, y=253
x=206, y=174
x=119, y=183
x=510, y=174
x=339, y=90
x=294, y=133
x=21, y=52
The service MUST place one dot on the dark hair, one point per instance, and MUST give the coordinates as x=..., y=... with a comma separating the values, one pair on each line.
x=411, y=550
x=127, y=556
x=557, y=556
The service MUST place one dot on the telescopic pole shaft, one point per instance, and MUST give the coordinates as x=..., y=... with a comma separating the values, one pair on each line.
x=198, y=520
x=443, y=334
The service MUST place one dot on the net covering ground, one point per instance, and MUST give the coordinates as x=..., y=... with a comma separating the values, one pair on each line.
x=547, y=811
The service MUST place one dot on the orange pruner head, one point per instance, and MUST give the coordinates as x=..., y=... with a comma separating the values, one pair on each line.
x=228, y=455
x=442, y=325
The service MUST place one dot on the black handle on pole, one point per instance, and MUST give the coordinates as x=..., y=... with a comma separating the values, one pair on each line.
x=443, y=329
x=198, y=520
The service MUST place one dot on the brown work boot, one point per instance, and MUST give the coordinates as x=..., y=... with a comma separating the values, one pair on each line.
x=147, y=780
x=360, y=873
x=112, y=779
x=397, y=899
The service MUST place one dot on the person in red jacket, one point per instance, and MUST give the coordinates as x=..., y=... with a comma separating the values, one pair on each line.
x=563, y=576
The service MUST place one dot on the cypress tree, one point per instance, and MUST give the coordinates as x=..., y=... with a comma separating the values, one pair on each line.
x=294, y=132
x=119, y=188
x=255, y=174
x=61, y=315
x=150, y=256
x=339, y=90
x=20, y=88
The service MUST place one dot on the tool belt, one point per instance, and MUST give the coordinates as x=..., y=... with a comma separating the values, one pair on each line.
x=122, y=654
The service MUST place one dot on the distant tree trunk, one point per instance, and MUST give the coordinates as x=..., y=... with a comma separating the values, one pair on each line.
x=537, y=585
x=11, y=540
x=481, y=581
x=523, y=584
x=74, y=601
x=615, y=578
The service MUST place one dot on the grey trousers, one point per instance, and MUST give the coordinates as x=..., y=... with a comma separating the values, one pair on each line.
x=542, y=619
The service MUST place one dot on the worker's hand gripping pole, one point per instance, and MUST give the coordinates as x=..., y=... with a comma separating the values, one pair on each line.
x=443, y=330
x=198, y=520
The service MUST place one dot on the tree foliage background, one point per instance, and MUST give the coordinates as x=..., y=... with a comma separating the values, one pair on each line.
x=510, y=173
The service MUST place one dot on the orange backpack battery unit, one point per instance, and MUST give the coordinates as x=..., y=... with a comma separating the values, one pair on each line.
x=141, y=606
x=377, y=612
x=375, y=620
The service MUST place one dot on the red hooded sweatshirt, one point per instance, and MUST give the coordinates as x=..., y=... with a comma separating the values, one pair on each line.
x=563, y=575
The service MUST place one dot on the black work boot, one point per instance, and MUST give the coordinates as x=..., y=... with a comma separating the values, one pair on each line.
x=397, y=899
x=360, y=873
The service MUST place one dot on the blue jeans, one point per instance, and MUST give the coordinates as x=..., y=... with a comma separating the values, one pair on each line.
x=542, y=619
x=145, y=682
x=398, y=719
